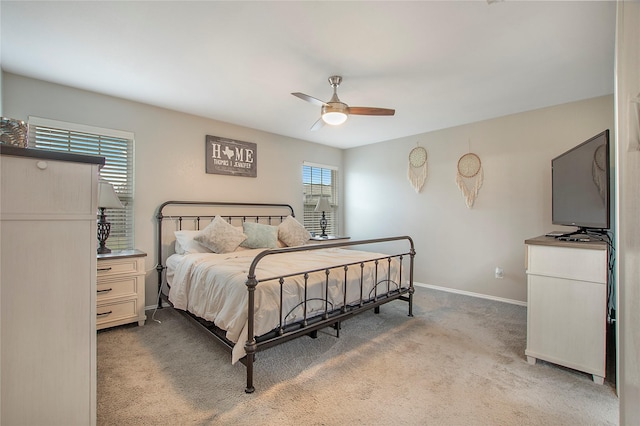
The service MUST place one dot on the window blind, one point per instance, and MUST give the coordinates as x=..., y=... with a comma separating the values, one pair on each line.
x=320, y=181
x=117, y=149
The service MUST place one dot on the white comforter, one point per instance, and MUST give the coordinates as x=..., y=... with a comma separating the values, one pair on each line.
x=212, y=286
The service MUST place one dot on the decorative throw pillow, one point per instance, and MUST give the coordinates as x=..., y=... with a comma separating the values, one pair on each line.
x=186, y=244
x=259, y=235
x=220, y=236
x=292, y=233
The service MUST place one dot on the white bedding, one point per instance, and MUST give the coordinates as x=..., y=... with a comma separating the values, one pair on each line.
x=212, y=286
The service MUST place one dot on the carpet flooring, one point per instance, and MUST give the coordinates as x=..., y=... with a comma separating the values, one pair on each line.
x=459, y=361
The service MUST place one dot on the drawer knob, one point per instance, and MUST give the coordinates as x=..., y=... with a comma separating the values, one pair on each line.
x=106, y=290
x=104, y=314
x=104, y=269
x=42, y=165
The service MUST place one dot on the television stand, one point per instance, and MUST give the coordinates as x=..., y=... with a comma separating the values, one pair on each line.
x=590, y=231
x=567, y=304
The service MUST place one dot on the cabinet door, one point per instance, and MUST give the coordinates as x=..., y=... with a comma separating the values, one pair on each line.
x=48, y=336
x=566, y=322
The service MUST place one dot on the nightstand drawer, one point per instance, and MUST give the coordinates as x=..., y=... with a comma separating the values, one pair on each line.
x=115, y=311
x=109, y=289
x=118, y=266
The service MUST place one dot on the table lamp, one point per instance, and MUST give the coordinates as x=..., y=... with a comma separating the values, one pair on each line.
x=323, y=206
x=107, y=199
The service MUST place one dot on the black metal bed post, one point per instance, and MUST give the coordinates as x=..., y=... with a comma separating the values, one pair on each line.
x=411, y=288
x=251, y=346
x=159, y=267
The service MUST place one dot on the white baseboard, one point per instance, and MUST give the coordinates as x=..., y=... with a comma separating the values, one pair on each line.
x=472, y=294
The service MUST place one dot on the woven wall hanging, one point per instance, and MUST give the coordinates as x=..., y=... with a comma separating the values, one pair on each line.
x=599, y=170
x=470, y=177
x=417, y=169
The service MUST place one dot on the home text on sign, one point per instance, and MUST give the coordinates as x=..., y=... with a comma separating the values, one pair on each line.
x=231, y=157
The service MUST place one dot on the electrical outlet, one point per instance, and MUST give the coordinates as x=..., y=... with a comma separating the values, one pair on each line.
x=499, y=273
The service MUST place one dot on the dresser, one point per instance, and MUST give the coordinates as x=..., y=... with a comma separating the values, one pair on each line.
x=48, y=287
x=120, y=288
x=567, y=304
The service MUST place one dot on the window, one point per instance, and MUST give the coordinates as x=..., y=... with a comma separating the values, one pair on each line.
x=117, y=148
x=317, y=181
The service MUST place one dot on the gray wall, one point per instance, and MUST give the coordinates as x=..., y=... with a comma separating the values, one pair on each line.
x=1, y=114
x=457, y=247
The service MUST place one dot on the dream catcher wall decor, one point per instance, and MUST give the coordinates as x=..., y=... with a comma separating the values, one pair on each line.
x=470, y=177
x=417, y=169
x=599, y=170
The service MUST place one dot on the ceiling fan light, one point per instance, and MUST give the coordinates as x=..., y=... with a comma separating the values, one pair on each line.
x=334, y=118
x=335, y=112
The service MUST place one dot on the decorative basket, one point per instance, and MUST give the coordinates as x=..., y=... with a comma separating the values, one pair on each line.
x=14, y=132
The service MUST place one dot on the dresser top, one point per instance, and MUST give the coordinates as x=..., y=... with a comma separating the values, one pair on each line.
x=50, y=155
x=551, y=241
x=117, y=254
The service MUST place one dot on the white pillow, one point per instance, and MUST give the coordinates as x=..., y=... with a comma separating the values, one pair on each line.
x=292, y=233
x=185, y=244
x=220, y=236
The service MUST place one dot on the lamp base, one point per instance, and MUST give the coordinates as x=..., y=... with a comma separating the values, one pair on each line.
x=323, y=226
x=104, y=250
x=104, y=229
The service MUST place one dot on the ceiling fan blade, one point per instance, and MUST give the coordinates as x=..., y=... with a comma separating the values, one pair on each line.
x=308, y=98
x=317, y=125
x=371, y=111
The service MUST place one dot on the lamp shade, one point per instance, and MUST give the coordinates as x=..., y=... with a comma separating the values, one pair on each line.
x=107, y=197
x=323, y=205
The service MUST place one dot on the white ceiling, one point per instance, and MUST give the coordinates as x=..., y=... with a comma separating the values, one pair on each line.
x=438, y=63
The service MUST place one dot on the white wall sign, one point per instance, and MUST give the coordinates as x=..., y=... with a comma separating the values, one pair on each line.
x=231, y=157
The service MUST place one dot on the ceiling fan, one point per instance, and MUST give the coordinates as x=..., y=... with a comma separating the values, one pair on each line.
x=336, y=112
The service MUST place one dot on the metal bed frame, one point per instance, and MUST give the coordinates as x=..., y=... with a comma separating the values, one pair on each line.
x=384, y=289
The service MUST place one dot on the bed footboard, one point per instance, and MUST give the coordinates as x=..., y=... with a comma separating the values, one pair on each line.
x=381, y=290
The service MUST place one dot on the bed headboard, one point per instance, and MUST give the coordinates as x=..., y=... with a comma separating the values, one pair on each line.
x=194, y=215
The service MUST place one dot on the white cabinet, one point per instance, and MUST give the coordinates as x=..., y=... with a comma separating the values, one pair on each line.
x=48, y=287
x=567, y=304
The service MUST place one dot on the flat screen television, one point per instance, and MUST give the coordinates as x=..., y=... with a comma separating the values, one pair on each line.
x=580, y=185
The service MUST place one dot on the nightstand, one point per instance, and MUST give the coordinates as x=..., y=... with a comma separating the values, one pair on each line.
x=329, y=238
x=120, y=284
